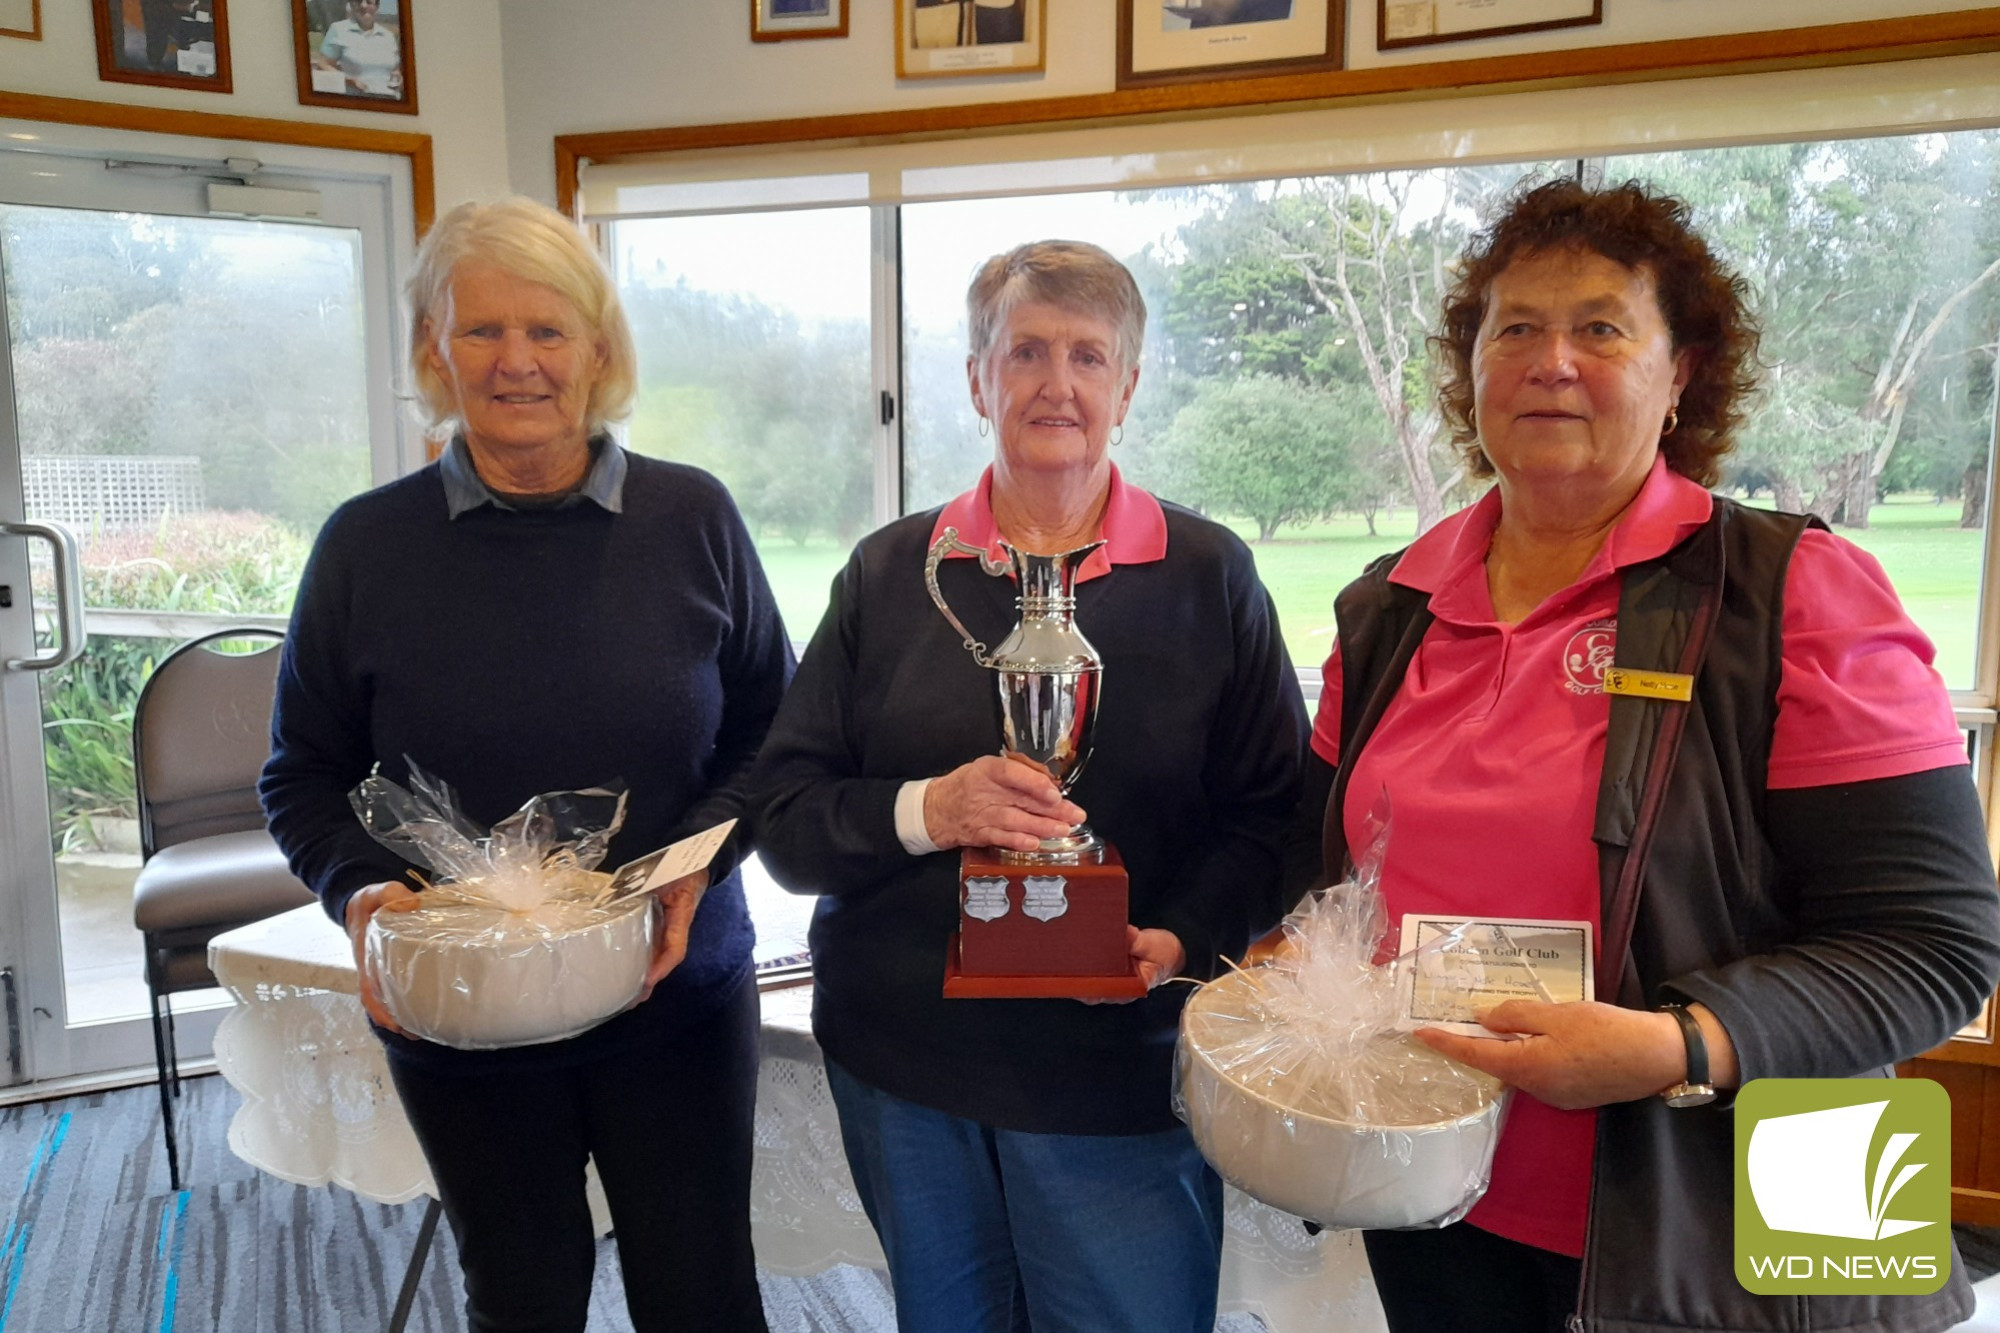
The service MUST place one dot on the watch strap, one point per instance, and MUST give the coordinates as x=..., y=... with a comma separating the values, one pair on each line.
x=1697, y=1045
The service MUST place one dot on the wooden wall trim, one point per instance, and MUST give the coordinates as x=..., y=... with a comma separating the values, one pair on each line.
x=1958, y=1052
x=1978, y=1208
x=1867, y=42
x=254, y=129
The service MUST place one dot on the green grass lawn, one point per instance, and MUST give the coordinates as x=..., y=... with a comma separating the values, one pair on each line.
x=1932, y=562
x=1305, y=569
x=800, y=576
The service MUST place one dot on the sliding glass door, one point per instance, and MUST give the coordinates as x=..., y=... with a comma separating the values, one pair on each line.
x=183, y=400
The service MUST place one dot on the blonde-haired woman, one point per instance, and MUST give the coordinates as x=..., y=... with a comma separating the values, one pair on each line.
x=536, y=611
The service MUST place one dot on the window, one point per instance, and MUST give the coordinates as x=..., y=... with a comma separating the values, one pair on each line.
x=1283, y=388
x=191, y=401
x=1296, y=409
x=1873, y=263
x=753, y=341
x=190, y=394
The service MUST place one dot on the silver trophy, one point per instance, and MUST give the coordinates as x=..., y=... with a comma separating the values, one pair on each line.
x=1048, y=673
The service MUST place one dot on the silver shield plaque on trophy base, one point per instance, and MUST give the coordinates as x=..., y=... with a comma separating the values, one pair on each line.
x=1069, y=936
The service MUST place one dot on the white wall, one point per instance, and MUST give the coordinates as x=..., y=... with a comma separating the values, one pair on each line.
x=638, y=64
x=458, y=81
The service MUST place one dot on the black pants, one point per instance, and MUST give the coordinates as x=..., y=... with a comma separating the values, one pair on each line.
x=1463, y=1280
x=670, y=1127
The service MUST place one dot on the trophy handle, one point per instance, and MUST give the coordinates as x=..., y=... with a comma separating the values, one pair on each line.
x=946, y=543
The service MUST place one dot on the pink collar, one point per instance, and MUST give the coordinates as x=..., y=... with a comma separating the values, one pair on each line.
x=1134, y=529
x=1449, y=561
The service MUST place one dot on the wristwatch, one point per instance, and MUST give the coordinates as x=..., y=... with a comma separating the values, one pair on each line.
x=1695, y=1089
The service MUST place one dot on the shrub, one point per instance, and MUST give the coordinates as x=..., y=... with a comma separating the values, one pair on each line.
x=221, y=563
x=240, y=564
x=87, y=723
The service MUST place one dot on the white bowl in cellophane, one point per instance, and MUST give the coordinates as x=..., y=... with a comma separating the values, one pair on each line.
x=1265, y=1124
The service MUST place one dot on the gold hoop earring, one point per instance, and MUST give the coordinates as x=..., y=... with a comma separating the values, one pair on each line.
x=1117, y=435
x=1673, y=421
x=982, y=427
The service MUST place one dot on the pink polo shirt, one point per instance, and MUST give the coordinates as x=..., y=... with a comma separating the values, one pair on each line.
x=1492, y=749
x=1134, y=528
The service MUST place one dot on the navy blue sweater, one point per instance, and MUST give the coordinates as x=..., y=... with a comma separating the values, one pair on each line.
x=1195, y=768
x=518, y=652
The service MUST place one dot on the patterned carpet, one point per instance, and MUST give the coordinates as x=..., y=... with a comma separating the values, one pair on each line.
x=1979, y=1248
x=95, y=1242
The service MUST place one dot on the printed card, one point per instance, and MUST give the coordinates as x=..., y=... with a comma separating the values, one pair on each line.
x=1453, y=969
x=668, y=864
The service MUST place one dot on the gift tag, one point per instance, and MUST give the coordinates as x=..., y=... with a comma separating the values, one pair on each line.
x=1453, y=968
x=668, y=864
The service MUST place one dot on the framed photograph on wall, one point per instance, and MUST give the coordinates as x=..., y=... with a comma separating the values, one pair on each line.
x=172, y=43
x=1183, y=41
x=940, y=38
x=355, y=53
x=1400, y=23
x=21, y=18
x=790, y=20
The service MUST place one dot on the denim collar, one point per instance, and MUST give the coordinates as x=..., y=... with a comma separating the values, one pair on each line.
x=603, y=485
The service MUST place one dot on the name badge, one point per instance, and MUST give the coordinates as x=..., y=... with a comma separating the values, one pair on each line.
x=1670, y=685
x=1453, y=968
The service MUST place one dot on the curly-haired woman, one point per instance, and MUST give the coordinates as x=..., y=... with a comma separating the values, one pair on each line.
x=1773, y=831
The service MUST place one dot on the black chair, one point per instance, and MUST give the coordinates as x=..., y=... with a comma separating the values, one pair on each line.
x=201, y=732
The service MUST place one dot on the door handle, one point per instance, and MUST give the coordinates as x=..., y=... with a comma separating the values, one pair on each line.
x=69, y=595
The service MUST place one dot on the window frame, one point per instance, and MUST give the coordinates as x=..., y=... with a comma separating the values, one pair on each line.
x=1775, y=67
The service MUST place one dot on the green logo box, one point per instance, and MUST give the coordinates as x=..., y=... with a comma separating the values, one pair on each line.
x=1843, y=1185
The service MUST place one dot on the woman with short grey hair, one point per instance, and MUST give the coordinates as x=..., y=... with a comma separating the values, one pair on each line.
x=541, y=611
x=1019, y=1158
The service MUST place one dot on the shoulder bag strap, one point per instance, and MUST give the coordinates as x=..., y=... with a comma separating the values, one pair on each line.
x=1623, y=909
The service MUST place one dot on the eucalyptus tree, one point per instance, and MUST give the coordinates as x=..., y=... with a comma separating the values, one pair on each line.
x=1872, y=264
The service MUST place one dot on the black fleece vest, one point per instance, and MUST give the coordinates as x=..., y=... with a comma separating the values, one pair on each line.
x=1713, y=608
x=1658, y=1255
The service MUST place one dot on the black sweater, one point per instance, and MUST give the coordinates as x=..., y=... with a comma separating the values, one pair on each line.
x=514, y=653
x=1195, y=767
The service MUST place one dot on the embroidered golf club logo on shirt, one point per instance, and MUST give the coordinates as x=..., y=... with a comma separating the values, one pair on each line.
x=1843, y=1185
x=1590, y=650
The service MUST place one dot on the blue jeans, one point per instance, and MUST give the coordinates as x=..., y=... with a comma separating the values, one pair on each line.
x=996, y=1231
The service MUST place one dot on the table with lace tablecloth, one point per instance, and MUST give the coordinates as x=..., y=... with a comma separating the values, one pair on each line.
x=319, y=1108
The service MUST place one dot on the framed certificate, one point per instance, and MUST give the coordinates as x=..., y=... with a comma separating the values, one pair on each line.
x=1180, y=41
x=938, y=39
x=21, y=18
x=791, y=20
x=1400, y=23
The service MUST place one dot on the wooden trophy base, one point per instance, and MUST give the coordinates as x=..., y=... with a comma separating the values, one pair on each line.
x=1037, y=931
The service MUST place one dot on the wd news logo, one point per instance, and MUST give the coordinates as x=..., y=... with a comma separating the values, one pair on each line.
x=1843, y=1185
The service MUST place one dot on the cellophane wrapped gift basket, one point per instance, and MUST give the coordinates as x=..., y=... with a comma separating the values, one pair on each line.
x=1301, y=1091
x=520, y=938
